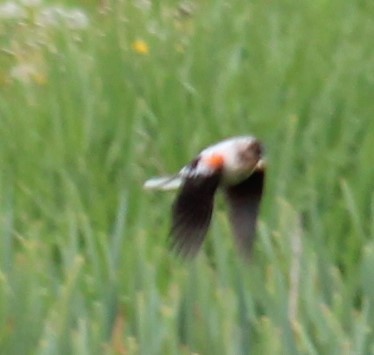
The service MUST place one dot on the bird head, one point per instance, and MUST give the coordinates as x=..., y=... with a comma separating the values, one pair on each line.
x=251, y=154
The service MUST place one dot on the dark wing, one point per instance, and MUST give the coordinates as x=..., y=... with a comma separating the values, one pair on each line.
x=192, y=212
x=244, y=202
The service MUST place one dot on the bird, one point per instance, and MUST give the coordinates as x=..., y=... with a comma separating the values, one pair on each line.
x=235, y=166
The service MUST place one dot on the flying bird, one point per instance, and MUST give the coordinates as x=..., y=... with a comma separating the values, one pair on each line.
x=236, y=166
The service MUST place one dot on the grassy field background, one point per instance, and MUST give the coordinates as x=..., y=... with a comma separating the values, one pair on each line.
x=90, y=109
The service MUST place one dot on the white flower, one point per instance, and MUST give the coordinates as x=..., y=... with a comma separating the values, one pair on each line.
x=23, y=72
x=11, y=11
x=76, y=19
x=56, y=15
x=49, y=16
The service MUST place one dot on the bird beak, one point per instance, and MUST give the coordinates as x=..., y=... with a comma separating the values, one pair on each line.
x=261, y=164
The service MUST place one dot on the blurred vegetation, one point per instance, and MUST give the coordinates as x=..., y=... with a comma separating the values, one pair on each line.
x=95, y=97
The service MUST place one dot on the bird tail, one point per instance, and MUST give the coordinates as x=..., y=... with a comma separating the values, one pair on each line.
x=164, y=183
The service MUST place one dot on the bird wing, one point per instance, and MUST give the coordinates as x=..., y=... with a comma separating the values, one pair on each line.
x=192, y=212
x=164, y=183
x=244, y=202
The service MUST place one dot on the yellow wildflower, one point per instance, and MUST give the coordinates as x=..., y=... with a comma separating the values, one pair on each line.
x=141, y=47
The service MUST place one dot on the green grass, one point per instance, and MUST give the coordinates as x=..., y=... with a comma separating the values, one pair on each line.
x=84, y=262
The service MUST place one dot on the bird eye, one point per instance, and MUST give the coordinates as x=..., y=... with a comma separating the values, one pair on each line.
x=256, y=148
x=251, y=153
x=194, y=163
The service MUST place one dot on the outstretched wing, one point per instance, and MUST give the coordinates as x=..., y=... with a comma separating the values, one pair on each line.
x=244, y=203
x=192, y=212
